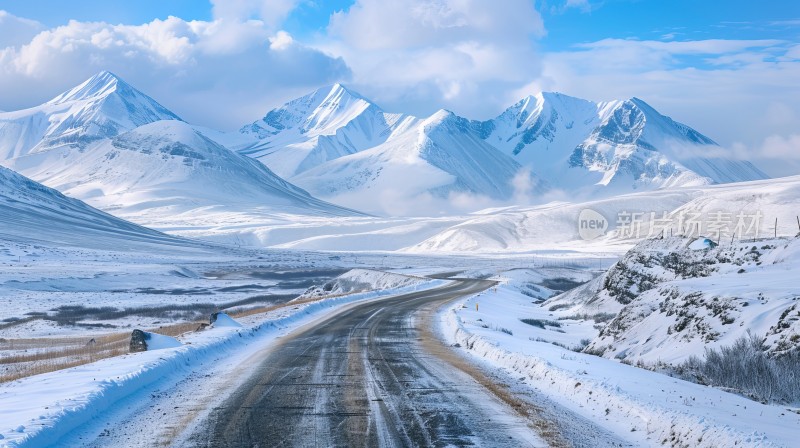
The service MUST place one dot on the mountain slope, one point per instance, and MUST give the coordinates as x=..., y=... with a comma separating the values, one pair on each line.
x=33, y=213
x=326, y=124
x=439, y=157
x=672, y=298
x=101, y=107
x=168, y=168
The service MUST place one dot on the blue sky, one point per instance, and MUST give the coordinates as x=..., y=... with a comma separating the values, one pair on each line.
x=728, y=68
x=626, y=19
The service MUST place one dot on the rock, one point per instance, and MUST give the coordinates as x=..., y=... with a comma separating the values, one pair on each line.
x=138, y=341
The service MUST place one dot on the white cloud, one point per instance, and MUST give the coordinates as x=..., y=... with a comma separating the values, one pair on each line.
x=464, y=55
x=221, y=74
x=777, y=155
x=271, y=12
x=281, y=41
x=782, y=148
x=16, y=30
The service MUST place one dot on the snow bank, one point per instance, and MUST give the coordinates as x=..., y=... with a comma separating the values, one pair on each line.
x=157, y=341
x=357, y=280
x=50, y=405
x=219, y=320
x=645, y=407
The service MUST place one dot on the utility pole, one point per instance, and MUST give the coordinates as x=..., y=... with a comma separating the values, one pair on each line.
x=776, y=227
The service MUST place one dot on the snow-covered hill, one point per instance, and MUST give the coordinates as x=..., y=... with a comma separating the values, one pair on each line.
x=329, y=123
x=611, y=147
x=35, y=214
x=438, y=158
x=101, y=107
x=755, y=205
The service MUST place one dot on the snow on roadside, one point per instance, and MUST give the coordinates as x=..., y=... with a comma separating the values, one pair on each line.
x=358, y=280
x=38, y=410
x=642, y=406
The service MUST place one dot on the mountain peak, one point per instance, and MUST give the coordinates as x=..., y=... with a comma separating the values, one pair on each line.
x=98, y=86
x=341, y=89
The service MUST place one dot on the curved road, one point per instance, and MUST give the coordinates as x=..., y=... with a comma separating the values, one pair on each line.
x=363, y=378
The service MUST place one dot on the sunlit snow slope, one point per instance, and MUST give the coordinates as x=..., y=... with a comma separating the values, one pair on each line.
x=33, y=213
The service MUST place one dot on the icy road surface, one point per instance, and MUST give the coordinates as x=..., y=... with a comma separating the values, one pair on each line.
x=362, y=378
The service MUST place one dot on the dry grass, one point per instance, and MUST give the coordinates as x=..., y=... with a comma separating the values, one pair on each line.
x=20, y=358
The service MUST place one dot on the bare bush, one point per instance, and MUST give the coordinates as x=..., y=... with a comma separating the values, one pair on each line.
x=597, y=317
x=745, y=368
x=542, y=323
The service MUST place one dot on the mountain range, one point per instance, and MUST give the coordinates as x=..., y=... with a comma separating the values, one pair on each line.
x=116, y=148
x=336, y=144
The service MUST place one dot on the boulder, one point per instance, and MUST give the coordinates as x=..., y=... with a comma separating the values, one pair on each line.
x=138, y=341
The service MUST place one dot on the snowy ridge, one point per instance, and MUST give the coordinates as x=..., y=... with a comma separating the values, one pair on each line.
x=35, y=213
x=438, y=157
x=329, y=123
x=101, y=107
x=522, y=229
x=360, y=280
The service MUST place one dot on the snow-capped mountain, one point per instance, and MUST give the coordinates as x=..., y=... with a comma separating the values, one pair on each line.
x=336, y=143
x=340, y=146
x=609, y=147
x=101, y=107
x=329, y=123
x=436, y=158
x=112, y=146
x=33, y=213
x=168, y=168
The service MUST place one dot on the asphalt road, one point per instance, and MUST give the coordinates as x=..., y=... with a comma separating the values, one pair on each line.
x=363, y=378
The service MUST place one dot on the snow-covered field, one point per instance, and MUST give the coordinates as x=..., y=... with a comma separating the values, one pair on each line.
x=644, y=407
